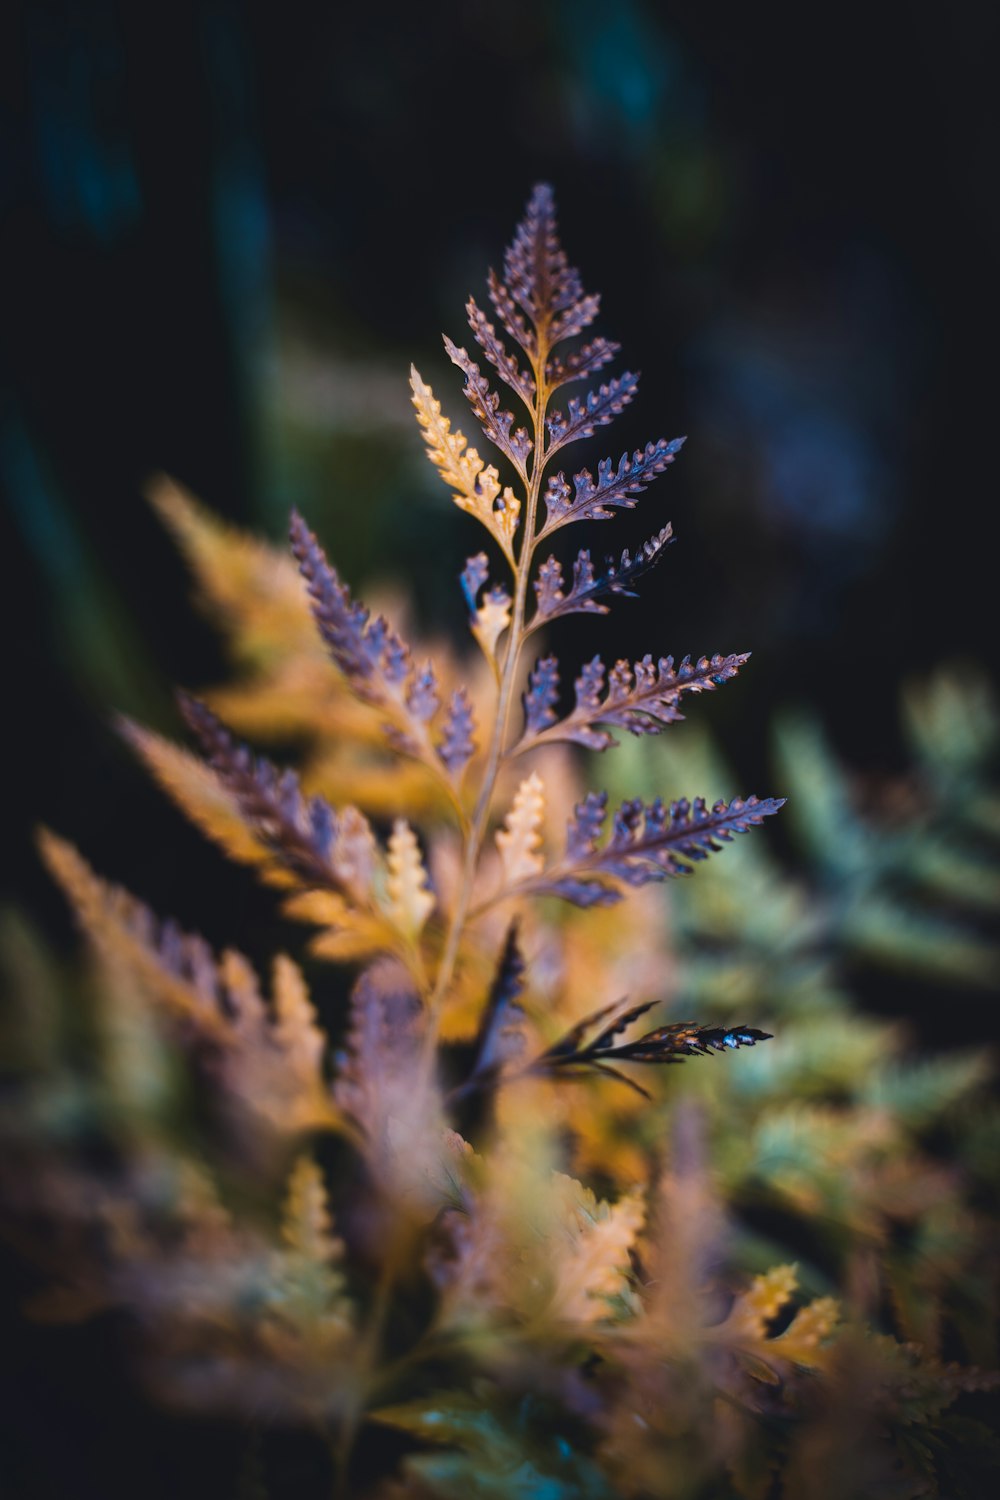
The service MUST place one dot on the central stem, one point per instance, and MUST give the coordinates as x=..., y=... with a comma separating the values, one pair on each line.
x=508, y=677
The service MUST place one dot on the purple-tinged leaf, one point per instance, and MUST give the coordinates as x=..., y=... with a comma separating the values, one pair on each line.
x=488, y=620
x=549, y=589
x=567, y=324
x=304, y=834
x=500, y=1037
x=506, y=311
x=542, y=695
x=574, y=1054
x=642, y=698
x=582, y=418
x=589, y=499
x=651, y=842
x=584, y=829
x=582, y=363
x=506, y=366
x=496, y=423
x=541, y=280
x=423, y=699
x=588, y=586
x=474, y=575
x=368, y=651
x=458, y=743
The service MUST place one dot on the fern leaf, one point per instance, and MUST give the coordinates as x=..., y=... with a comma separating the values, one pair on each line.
x=591, y=1045
x=647, y=843
x=306, y=1223
x=249, y=587
x=349, y=933
x=541, y=697
x=306, y=838
x=588, y=586
x=642, y=699
x=802, y=1343
x=498, y=425
x=177, y=968
x=500, y=1037
x=269, y=1060
x=619, y=487
x=581, y=419
x=383, y=1088
x=539, y=277
x=203, y=796
x=581, y=363
x=488, y=620
x=520, y=840
x=410, y=901
x=591, y=1262
x=458, y=742
x=506, y=366
x=296, y=1028
x=375, y=662
x=476, y=488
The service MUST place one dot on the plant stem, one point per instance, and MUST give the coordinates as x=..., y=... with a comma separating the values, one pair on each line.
x=508, y=677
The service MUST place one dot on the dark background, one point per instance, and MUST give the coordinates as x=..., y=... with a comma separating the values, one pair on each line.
x=228, y=229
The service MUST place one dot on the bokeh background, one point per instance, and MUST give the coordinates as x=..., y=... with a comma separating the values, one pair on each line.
x=229, y=228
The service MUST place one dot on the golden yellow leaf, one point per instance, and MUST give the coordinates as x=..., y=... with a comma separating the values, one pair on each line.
x=123, y=932
x=520, y=840
x=490, y=621
x=200, y=794
x=307, y=1225
x=252, y=588
x=410, y=902
x=476, y=488
x=591, y=1256
x=349, y=934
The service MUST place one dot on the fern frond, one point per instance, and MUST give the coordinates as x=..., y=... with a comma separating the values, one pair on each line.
x=588, y=586
x=458, y=743
x=270, y=1057
x=521, y=381
x=306, y=838
x=410, y=901
x=581, y=363
x=647, y=843
x=178, y=968
x=476, y=487
x=642, y=699
x=306, y=1222
x=582, y=418
x=591, y=1044
x=497, y=424
x=499, y=1037
x=618, y=487
x=203, y=796
x=540, y=278
x=488, y=620
x=520, y=840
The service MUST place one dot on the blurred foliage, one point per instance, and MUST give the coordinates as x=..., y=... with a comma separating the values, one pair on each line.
x=777, y=1270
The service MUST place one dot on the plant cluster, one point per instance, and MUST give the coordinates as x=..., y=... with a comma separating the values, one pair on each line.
x=492, y=1220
